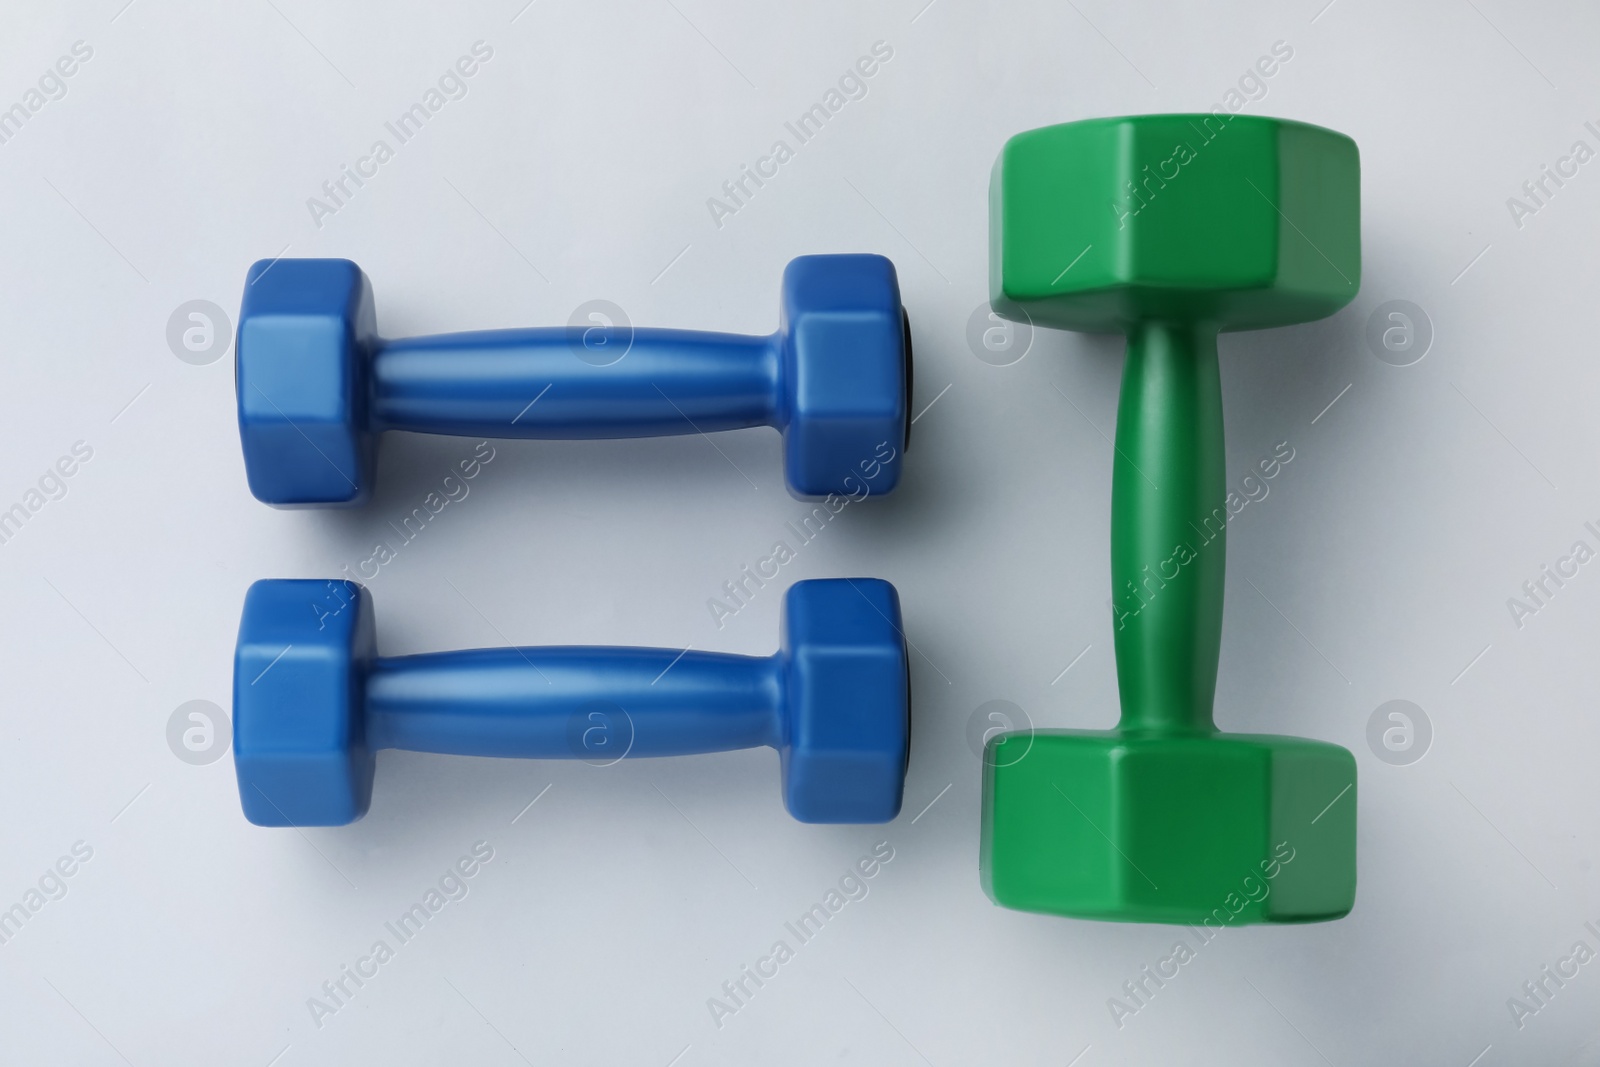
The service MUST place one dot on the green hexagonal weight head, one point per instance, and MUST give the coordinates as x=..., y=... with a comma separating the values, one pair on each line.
x=1239, y=221
x=1214, y=829
x=1171, y=229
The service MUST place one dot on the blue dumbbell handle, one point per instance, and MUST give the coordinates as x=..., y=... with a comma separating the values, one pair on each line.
x=562, y=702
x=533, y=383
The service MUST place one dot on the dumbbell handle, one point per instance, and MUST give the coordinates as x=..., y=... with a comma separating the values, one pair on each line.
x=1168, y=489
x=563, y=702
x=532, y=383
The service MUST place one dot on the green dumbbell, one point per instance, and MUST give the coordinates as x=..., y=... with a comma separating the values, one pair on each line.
x=1170, y=229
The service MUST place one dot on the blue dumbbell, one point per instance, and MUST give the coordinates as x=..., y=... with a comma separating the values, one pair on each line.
x=313, y=703
x=316, y=385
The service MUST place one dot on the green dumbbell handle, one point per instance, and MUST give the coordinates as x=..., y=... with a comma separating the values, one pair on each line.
x=1167, y=562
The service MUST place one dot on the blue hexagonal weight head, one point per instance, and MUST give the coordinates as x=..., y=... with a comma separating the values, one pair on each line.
x=306, y=334
x=848, y=406
x=848, y=698
x=299, y=732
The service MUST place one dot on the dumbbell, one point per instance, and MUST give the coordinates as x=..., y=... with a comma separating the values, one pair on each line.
x=316, y=385
x=1169, y=229
x=313, y=703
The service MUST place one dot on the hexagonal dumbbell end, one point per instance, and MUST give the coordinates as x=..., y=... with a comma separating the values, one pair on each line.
x=306, y=337
x=848, y=701
x=847, y=374
x=1208, y=829
x=1238, y=221
x=299, y=683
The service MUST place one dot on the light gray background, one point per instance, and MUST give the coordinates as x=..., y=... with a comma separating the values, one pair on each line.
x=578, y=166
